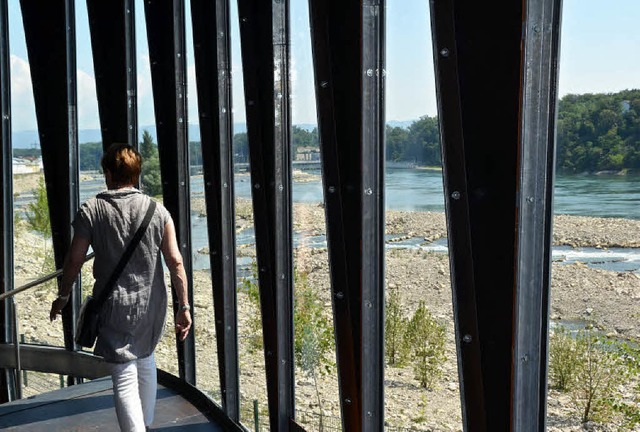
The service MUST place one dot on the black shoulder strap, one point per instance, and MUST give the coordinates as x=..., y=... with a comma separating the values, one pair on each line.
x=126, y=255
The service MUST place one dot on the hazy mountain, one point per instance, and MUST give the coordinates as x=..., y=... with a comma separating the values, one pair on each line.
x=29, y=138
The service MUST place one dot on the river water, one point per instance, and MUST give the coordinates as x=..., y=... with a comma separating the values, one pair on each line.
x=422, y=190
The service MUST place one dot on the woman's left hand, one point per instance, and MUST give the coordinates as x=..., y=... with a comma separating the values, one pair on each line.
x=56, y=307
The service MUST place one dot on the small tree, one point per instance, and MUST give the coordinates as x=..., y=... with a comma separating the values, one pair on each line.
x=151, y=179
x=563, y=356
x=426, y=338
x=396, y=348
x=599, y=371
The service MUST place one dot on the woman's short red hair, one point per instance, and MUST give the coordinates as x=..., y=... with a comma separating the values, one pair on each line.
x=123, y=162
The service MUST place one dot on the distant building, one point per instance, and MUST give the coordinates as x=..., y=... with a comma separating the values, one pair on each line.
x=308, y=154
x=27, y=165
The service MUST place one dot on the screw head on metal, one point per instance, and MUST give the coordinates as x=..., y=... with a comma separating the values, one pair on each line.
x=467, y=338
x=444, y=52
x=455, y=195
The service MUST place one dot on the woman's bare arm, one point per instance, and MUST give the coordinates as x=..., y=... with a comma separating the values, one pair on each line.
x=72, y=265
x=173, y=258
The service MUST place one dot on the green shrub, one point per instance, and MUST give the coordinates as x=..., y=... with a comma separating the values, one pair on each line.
x=395, y=325
x=562, y=359
x=426, y=338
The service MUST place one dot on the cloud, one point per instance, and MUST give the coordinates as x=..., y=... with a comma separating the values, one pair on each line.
x=88, y=117
x=23, y=114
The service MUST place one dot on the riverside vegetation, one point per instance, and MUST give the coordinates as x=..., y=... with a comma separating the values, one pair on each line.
x=593, y=374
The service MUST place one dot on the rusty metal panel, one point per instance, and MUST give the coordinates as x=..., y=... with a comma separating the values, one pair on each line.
x=211, y=36
x=166, y=38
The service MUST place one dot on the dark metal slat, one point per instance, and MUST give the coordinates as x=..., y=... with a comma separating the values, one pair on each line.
x=283, y=244
x=535, y=216
x=131, y=71
x=50, y=38
x=264, y=45
x=7, y=378
x=372, y=142
x=336, y=58
x=477, y=56
x=109, y=27
x=458, y=219
x=166, y=38
x=211, y=36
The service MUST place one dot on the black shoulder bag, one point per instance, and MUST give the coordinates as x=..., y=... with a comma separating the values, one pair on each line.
x=87, y=326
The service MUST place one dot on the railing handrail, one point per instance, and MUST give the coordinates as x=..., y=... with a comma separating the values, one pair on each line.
x=38, y=281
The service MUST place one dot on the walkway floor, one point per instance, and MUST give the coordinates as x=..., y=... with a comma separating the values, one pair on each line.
x=89, y=407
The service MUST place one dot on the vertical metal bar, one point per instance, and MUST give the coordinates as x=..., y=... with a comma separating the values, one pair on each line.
x=113, y=46
x=166, y=38
x=213, y=58
x=338, y=75
x=7, y=381
x=16, y=341
x=72, y=143
x=256, y=34
x=541, y=35
x=372, y=215
x=282, y=212
x=458, y=219
x=131, y=71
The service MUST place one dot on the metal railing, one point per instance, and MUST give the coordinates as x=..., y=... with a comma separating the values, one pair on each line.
x=14, y=317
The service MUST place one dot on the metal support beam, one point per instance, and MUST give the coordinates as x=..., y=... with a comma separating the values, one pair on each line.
x=349, y=69
x=212, y=51
x=477, y=58
x=264, y=32
x=541, y=33
x=373, y=208
x=113, y=45
x=165, y=34
x=50, y=37
x=7, y=378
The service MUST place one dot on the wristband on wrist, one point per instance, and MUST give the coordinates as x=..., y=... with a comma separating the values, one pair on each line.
x=185, y=307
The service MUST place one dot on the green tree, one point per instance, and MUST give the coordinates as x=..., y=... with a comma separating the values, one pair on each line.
x=395, y=325
x=151, y=176
x=427, y=338
x=89, y=155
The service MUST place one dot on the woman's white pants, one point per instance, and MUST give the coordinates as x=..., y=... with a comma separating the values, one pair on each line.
x=134, y=392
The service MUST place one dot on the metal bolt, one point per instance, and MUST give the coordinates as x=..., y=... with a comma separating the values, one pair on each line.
x=332, y=189
x=530, y=199
x=368, y=191
x=339, y=295
x=324, y=84
x=524, y=358
x=347, y=400
x=467, y=338
x=257, y=186
x=280, y=188
x=368, y=304
x=224, y=110
x=444, y=52
x=225, y=184
x=455, y=195
x=370, y=72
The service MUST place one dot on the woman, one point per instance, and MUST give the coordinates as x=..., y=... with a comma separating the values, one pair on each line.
x=133, y=316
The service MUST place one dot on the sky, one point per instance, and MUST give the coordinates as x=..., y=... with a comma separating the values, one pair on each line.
x=600, y=47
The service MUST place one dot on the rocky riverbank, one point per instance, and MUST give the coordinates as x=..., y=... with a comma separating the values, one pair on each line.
x=608, y=299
